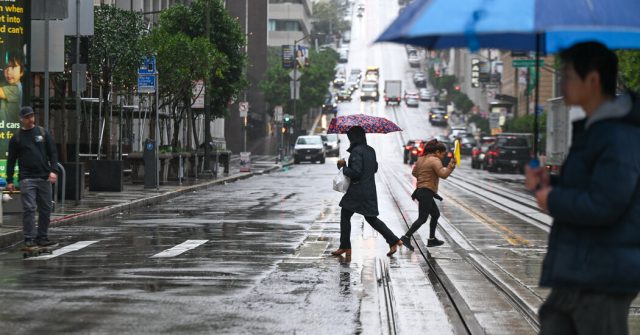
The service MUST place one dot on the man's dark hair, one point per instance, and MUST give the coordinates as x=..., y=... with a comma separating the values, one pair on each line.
x=593, y=56
x=434, y=146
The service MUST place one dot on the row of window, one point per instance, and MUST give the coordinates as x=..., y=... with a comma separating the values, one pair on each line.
x=284, y=25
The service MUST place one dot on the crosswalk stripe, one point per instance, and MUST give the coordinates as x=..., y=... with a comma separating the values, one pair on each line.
x=180, y=248
x=64, y=250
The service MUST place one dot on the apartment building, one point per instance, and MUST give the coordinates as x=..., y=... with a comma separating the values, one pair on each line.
x=289, y=20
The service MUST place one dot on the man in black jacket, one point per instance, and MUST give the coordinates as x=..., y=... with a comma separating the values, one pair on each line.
x=593, y=261
x=37, y=157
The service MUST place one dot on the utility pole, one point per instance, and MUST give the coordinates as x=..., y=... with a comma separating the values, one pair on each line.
x=77, y=74
x=207, y=98
x=246, y=54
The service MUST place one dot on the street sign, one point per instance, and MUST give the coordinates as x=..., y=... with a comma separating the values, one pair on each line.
x=475, y=73
x=277, y=115
x=295, y=75
x=243, y=108
x=148, y=66
x=295, y=92
x=526, y=62
x=146, y=84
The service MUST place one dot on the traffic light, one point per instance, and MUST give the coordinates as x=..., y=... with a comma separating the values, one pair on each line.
x=287, y=118
x=284, y=130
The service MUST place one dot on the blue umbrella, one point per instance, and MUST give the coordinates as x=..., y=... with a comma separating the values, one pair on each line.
x=517, y=24
x=544, y=26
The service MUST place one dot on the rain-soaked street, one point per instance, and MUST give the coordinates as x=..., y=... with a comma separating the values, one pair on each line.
x=253, y=256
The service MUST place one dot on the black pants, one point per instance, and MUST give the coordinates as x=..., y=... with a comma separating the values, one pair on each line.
x=377, y=224
x=570, y=311
x=426, y=207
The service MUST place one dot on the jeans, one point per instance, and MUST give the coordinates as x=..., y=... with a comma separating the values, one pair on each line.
x=426, y=206
x=573, y=311
x=35, y=192
x=377, y=224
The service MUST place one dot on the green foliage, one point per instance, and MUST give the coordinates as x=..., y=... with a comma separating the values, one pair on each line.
x=462, y=102
x=116, y=48
x=480, y=122
x=630, y=68
x=228, y=39
x=328, y=18
x=314, y=81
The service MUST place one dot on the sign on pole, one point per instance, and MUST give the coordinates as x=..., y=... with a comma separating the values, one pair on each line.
x=243, y=108
x=245, y=162
x=526, y=62
x=475, y=73
x=197, y=94
x=277, y=115
x=147, y=76
x=79, y=77
x=294, y=86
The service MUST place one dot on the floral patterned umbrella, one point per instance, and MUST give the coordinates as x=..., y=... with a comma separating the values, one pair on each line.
x=370, y=124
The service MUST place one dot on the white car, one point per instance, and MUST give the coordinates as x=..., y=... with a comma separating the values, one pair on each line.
x=332, y=144
x=309, y=148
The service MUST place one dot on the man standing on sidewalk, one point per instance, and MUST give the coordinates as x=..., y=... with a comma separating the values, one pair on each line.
x=593, y=261
x=37, y=157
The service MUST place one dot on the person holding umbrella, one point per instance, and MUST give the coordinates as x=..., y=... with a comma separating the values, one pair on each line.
x=361, y=196
x=428, y=171
x=593, y=259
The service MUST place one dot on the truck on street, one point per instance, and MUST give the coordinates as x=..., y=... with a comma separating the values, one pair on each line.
x=392, y=92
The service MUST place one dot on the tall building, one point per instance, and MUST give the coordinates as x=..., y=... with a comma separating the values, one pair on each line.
x=289, y=20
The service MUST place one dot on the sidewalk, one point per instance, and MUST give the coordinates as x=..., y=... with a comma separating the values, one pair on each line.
x=97, y=205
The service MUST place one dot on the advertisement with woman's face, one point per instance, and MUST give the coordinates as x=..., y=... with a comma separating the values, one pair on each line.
x=14, y=30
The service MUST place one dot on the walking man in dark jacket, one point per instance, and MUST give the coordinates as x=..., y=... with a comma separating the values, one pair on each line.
x=593, y=261
x=361, y=196
x=37, y=157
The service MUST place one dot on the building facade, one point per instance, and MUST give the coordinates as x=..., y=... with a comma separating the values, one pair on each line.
x=289, y=20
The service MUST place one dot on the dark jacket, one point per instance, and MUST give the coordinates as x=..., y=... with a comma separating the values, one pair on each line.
x=35, y=151
x=595, y=238
x=361, y=196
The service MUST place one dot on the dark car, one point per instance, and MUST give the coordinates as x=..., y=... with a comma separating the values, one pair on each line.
x=412, y=150
x=467, y=144
x=344, y=95
x=330, y=105
x=510, y=151
x=438, y=116
x=479, y=152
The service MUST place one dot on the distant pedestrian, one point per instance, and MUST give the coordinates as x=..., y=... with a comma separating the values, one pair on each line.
x=593, y=259
x=361, y=196
x=428, y=171
x=37, y=157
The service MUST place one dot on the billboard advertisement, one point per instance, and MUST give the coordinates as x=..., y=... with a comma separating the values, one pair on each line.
x=14, y=32
x=298, y=57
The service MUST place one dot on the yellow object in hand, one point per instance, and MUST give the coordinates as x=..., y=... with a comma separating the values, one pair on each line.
x=456, y=152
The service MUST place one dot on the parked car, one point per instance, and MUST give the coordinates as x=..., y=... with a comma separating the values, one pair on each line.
x=331, y=144
x=412, y=150
x=309, y=148
x=438, y=117
x=425, y=94
x=511, y=150
x=479, y=152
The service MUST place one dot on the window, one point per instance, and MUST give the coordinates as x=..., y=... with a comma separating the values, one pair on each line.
x=283, y=25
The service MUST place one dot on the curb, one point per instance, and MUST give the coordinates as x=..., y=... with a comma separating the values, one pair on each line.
x=9, y=239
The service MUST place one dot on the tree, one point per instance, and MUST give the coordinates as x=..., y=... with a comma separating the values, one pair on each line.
x=226, y=36
x=314, y=81
x=629, y=69
x=115, y=51
x=182, y=60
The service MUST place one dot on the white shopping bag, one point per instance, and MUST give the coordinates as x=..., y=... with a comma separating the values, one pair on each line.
x=341, y=182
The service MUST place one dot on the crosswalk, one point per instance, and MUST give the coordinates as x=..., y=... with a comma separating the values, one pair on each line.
x=168, y=253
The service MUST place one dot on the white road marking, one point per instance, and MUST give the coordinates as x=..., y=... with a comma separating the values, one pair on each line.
x=180, y=248
x=73, y=247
